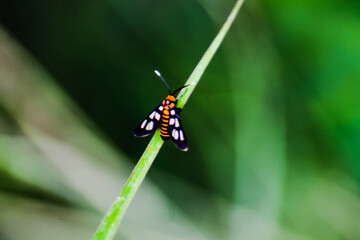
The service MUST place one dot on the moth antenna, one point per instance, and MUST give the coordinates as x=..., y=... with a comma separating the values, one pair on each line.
x=163, y=80
x=177, y=90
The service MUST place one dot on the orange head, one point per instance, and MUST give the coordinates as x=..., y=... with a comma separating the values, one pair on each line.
x=171, y=98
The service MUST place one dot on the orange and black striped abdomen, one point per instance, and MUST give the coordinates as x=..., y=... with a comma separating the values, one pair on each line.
x=168, y=104
x=165, y=124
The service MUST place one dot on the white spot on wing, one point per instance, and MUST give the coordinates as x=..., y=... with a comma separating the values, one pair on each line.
x=175, y=134
x=157, y=116
x=143, y=124
x=152, y=115
x=172, y=112
x=161, y=108
x=172, y=121
x=177, y=124
x=150, y=126
x=181, y=135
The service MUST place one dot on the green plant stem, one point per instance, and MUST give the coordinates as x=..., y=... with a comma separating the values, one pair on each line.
x=208, y=55
x=111, y=221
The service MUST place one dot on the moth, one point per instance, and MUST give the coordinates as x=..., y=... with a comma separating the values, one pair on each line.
x=165, y=116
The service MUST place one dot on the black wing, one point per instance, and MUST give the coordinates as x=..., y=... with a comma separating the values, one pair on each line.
x=177, y=133
x=149, y=124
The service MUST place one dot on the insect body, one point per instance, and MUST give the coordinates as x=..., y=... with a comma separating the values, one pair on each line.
x=166, y=116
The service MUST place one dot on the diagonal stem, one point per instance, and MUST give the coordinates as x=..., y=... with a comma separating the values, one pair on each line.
x=111, y=221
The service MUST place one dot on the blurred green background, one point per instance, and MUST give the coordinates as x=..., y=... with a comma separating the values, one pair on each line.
x=273, y=126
